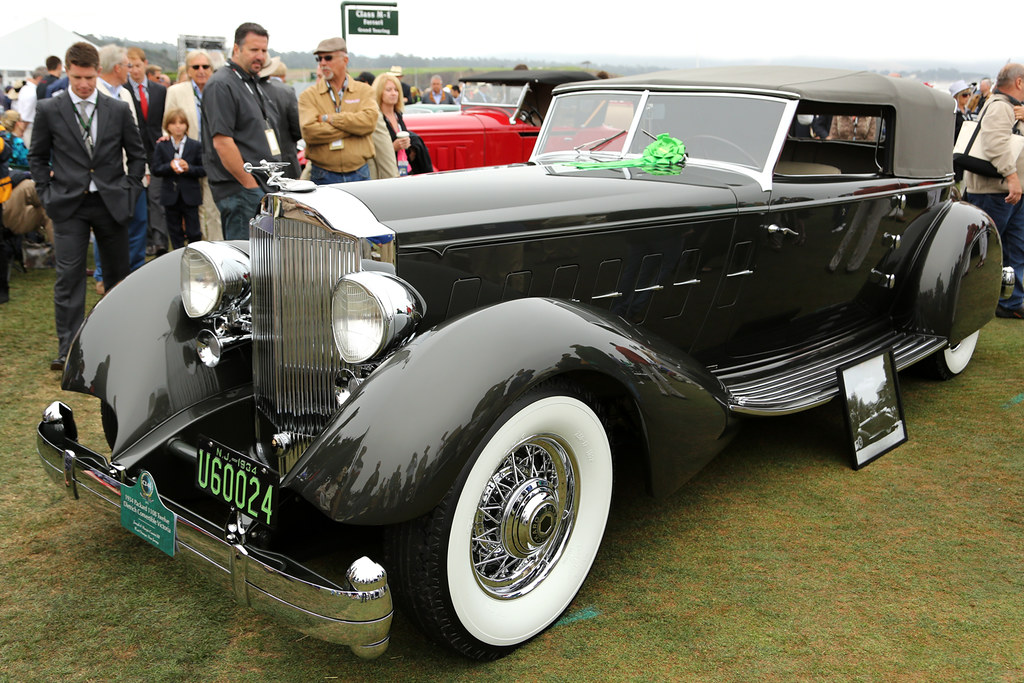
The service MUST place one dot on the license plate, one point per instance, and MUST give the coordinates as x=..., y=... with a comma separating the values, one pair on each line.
x=237, y=480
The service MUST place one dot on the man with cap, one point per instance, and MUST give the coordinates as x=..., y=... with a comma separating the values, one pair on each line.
x=961, y=92
x=406, y=88
x=338, y=116
x=239, y=125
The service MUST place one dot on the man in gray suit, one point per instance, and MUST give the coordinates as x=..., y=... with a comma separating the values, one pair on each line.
x=81, y=147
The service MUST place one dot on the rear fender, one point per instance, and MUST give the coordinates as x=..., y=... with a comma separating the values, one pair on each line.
x=397, y=445
x=137, y=353
x=954, y=286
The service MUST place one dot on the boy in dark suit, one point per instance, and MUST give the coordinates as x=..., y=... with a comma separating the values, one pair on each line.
x=81, y=146
x=179, y=160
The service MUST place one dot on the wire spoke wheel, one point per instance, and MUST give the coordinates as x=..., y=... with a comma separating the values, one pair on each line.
x=525, y=517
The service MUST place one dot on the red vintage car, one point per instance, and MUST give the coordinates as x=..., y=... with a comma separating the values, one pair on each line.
x=497, y=123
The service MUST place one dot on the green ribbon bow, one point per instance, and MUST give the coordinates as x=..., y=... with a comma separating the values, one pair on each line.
x=665, y=156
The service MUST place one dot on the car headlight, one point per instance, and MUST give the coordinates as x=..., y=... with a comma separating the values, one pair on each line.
x=213, y=276
x=372, y=314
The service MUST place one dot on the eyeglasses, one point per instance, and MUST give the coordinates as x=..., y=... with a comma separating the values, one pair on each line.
x=323, y=58
x=964, y=94
x=197, y=67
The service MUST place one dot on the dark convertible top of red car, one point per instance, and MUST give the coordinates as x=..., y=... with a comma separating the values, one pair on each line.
x=520, y=76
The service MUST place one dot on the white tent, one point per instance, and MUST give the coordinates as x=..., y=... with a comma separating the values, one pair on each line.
x=23, y=50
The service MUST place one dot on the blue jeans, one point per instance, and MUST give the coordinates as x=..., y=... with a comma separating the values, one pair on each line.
x=137, y=234
x=237, y=210
x=322, y=176
x=1009, y=219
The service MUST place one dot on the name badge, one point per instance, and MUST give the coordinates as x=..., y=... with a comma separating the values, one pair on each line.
x=275, y=148
x=338, y=144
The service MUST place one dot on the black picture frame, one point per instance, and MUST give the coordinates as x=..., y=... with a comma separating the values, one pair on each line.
x=873, y=408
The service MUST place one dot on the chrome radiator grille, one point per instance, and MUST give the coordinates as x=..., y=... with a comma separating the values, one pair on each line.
x=295, y=360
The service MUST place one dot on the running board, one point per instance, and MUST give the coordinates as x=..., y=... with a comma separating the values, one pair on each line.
x=772, y=387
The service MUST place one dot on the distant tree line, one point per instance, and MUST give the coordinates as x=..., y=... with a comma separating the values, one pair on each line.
x=165, y=56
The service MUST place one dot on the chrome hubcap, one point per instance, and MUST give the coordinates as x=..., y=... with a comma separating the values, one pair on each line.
x=524, y=517
x=530, y=518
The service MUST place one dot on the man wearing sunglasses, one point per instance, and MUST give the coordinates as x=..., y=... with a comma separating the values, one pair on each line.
x=338, y=116
x=188, y=96
x=239, y=124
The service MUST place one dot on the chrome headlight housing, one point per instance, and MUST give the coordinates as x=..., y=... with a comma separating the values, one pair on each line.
x=373, y=313
x=214, y=277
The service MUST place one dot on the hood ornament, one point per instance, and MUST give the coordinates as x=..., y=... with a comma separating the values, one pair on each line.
x=274, y=171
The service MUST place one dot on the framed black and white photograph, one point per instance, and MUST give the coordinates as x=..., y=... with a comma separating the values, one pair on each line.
x=873, y=409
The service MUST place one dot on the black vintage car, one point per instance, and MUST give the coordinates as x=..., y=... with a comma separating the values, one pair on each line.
x=442, y=358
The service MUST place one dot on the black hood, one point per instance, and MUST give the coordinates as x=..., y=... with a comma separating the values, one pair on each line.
x=482, y=204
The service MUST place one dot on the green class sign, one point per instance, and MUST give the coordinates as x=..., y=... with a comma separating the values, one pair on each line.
x=372, y=22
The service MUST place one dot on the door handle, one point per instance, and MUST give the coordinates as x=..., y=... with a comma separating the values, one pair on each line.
x=776, y=229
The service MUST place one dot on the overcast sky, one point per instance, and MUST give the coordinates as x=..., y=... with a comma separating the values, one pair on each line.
x=743, y=30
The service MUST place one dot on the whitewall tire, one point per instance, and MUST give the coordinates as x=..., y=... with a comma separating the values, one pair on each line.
x=516, y=536
x=953, y=360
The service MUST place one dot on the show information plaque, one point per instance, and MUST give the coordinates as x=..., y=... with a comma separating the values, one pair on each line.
x=143, y=514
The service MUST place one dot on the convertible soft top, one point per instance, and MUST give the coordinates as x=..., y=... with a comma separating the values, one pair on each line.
x=924, y=116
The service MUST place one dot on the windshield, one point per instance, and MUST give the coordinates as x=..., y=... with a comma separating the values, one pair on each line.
x=491, y=93
x=736, y=129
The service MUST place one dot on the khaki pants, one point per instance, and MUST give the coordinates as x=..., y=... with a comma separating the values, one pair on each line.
x=24, y=212
x=209, y=216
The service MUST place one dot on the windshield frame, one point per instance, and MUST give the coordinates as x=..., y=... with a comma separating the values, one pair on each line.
x=762, y=175
x=509, y=106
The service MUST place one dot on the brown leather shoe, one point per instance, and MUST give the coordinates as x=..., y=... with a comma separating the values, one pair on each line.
x=57, y=364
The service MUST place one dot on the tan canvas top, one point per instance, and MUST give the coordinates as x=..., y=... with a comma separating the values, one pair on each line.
x=923, y=137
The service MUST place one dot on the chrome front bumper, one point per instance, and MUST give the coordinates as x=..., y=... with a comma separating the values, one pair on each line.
x=358, y=615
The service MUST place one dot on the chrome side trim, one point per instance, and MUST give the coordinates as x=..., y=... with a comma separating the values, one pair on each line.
x=781, y=391
x=358, y=615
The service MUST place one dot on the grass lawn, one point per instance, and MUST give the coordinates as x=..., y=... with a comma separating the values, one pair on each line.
x=777, y=563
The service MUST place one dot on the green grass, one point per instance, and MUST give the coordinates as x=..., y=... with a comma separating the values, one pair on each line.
x=777, y=563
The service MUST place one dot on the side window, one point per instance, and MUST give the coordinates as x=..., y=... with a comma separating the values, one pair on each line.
x=836, y=142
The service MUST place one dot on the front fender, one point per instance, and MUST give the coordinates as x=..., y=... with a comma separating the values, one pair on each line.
x=136, y=352
x=396, y=446
x=956, y=282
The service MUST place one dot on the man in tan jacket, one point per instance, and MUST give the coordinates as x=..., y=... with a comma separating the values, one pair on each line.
x=338, y=116
x=1001, y=197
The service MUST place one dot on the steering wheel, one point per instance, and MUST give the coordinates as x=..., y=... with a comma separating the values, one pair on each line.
x=530, y=116
x=728, y=143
